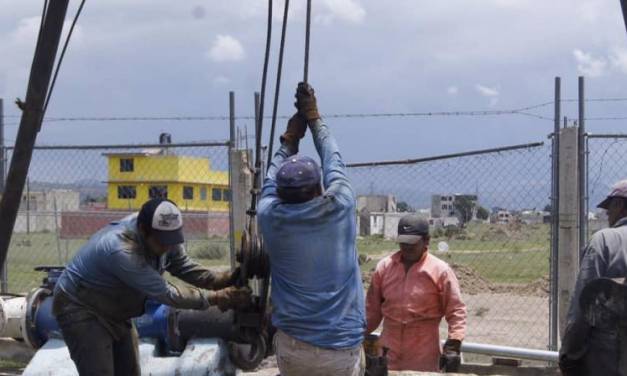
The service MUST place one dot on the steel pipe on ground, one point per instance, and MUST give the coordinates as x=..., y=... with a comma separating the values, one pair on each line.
x=12, y=317
x=510, y=352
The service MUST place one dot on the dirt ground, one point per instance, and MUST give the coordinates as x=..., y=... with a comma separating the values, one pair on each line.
x=502, y=314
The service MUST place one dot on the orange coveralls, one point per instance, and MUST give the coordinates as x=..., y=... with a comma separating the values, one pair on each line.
x=412, y=305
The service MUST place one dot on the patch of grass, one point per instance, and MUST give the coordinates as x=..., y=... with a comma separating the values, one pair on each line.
x=375, y=245
x=10, y=364
x=30, y=250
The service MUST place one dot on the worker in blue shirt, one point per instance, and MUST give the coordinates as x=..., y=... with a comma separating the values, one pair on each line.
x=308, y=229
x=108, y=281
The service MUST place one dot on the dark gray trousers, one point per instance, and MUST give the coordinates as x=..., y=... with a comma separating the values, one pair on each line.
x=93, y=348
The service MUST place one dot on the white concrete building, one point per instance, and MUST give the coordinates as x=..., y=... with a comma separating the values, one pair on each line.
x=39, y=209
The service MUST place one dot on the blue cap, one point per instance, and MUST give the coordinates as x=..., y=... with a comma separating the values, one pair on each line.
x=297, y=171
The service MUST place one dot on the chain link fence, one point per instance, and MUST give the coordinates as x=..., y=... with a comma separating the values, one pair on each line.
x=490, y=220
x=607, y=161
x=73, y=191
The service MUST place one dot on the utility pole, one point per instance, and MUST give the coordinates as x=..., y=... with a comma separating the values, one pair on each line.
x=32, y=117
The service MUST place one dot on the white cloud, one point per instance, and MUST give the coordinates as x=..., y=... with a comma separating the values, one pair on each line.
x=618, y=57
x=226, y=48
x=487, y=91
x=345, y=10
x=589, y=65
x=452, y=90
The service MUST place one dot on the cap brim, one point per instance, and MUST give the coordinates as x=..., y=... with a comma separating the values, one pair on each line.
x=170, y=237
x=408, y=239
x=605, y=204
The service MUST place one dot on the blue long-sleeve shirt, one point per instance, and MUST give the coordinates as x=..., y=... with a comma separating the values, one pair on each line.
x=116, y=260
x=317, y=294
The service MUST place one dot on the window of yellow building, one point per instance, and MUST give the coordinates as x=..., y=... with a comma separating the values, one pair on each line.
x=127, y=165
x=216, y=194
x=203, y=193
x=127, y=192
x=226, y=195
x=188, y=193
x=158, y=191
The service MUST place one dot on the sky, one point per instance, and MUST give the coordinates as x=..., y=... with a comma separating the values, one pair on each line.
x=159, y=58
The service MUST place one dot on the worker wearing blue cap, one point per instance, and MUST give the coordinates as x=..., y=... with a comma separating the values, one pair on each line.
x=308, y=222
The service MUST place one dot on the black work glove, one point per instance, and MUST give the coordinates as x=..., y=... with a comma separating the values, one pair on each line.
x=225, y=279
x=306, y=102
x=296, y=128
x=230, y=298
x=570, y=367
x=451, y=359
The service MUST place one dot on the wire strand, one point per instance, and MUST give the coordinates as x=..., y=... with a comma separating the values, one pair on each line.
x=278, y=82
x=65, y=45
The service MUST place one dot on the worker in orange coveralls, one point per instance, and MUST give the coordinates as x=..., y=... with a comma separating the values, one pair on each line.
x=412, y=290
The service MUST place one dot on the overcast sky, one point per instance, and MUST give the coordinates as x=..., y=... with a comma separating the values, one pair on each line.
x=163, y=58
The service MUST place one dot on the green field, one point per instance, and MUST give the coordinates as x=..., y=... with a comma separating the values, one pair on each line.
x=30, y=250
x=501, y=254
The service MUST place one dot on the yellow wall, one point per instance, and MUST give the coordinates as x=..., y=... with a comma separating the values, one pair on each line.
x=173, y=171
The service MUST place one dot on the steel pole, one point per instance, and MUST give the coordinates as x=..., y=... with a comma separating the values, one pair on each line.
x=553, y=300
x=231, y=174
x=581, y=162
x=510, y=352
x=38, y=84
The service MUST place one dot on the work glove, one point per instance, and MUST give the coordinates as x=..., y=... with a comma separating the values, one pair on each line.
x=225, y=279
x=570, y=367
x=230, y=298
x=451, y=359
x=306, y=103
x=296, y=128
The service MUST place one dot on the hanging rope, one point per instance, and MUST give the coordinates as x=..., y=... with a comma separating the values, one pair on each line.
x=278, y=82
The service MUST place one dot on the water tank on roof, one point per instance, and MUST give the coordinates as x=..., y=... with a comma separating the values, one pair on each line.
x=165, y=139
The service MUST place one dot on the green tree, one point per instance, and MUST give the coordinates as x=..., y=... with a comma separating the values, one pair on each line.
x=464, y=206
x=404, y=207
x=483, y=213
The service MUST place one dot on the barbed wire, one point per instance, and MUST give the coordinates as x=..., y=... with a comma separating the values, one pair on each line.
x=523, y=111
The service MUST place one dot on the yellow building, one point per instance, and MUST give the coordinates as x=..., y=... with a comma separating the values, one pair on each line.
x=188, y=181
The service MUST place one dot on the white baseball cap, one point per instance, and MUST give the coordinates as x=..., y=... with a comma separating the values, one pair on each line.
x=618, y=190
x=164, y=219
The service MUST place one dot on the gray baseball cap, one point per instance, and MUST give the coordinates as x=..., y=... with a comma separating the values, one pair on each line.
x=618, y=190
x=411, y=229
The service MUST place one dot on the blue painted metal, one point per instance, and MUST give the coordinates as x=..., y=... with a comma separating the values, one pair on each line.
x=158, y=322
x=45, y=323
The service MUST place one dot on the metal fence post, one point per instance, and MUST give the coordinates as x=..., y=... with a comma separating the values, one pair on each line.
x=553, y=296
x=581, y=163
x=231, y=173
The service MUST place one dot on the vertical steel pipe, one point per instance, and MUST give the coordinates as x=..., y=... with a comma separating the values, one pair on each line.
x=553, y=300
